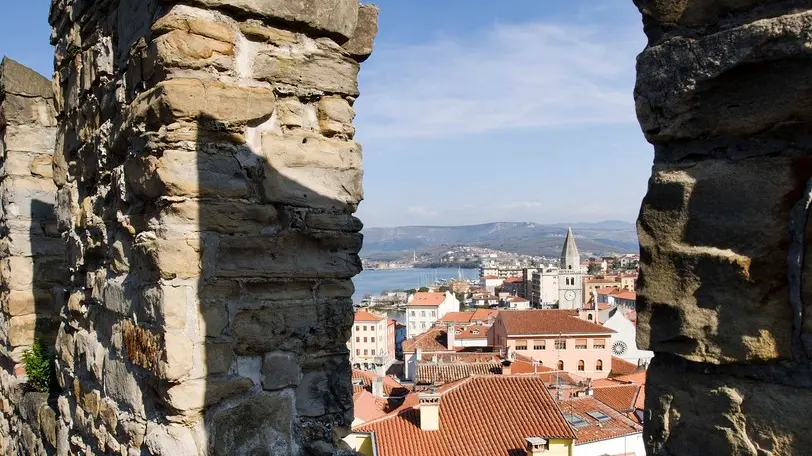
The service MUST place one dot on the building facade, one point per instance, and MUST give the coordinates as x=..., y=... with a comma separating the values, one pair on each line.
x=544, y=287
x=370, y=340
x=558, y=339
x=424, y=308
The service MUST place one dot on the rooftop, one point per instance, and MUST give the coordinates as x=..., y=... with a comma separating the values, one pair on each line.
x=552, y=322
x=477, y=418
x=472, y=332
x=625, y=294
x=436, y=373
x=457, y=317
x=484, y=314
x=622, y=367
x=427, y=298
x=435, y=339
x=364, y=315
x=621, y=397
x=391, y=387
x=600, y=422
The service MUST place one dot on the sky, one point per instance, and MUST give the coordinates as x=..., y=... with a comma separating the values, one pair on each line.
x=475, y=111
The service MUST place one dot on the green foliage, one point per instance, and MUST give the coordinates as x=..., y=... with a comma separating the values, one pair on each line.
x=39, y=367
x=423, y=289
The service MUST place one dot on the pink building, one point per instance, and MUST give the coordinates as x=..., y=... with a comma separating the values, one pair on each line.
x=557, y=338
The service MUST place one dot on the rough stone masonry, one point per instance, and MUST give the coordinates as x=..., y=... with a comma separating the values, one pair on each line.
x=203, y=184
x=723, y=93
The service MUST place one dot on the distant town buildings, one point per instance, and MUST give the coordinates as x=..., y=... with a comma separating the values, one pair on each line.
x=372, y=341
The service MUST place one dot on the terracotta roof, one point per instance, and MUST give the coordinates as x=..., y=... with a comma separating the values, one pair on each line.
x=532, y=322
x=427, y=298
x=461, y=355
x=617, y=425
x=435, y=339
x=368, y=407
x=478, y=417
x=473, y=332
x=603, y=306
x=457, y=317
x=484, y=314
x=622, y=367
x=637, y=378
x=514, y=280
x=391, y=387
x=606, y=290
x=524, y=365
x=490, y=277
x=364, y=315
x=434, y=373
x=625, y=294
x=621, y=398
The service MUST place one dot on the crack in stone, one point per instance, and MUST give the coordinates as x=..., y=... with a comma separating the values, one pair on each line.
x=801, y=345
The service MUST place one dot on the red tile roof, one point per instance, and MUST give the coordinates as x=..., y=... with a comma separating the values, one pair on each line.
x=484, y=314
x=618, y=424
x=391, y=387
x=625, y=294
x=533, y=322
x=621, y=398
x=367, y=407
x=427, y=298
x=606, y=290
x=490, y=277
x=514, y=280
x=463, y=355
x=478, y=417
x=638, y=378
x=473, y=332
x=436, y=373
x=622, y=367
x=457, y=317
x=364, y=315
x=433, y=340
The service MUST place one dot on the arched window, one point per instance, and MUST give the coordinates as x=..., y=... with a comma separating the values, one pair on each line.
x=589, y=317
x=581, y=365
x=598, y=365
x=560, y=365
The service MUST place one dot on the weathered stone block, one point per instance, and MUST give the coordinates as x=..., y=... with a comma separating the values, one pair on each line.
x=292, y=326
x=22, y=110
x=363, y=37
x=289, y=254
x=713, y=282
x=30, y=138
x=325, y=387
x=188, y=20
x=335, y=117
x=323, y=71
x=170, y=440
x=259, y=425
x=280, y=370
x=32, y=301
x=20, y=80
x=312, y=171
x=195, y=98
x=181, y=49
x=21, y=330
x=223, y=217
x=192, y=396
x=335, y=18
x=177, y=360
x=169, y=258
x=218, y=357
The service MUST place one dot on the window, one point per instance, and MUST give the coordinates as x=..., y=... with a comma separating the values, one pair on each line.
x=575, y=420
x=365, y=339
x=414, y=325
x=365, y=352
x=589, y=317
x=357, y=328
x=373, y=340
x=580, y=344
x=599, y=416
x=581, y=365
x=560, y=365
x=433, y=313
x=599, y=343
x=422, y=313
x=414, y=313
x=357, y=352
x=423, y=324
x=521, y=347
x=365, y=328
x=561, y=344
x=358, y=339
x=540, y=346
x=598, y=365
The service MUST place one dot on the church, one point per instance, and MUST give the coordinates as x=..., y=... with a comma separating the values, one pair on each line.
x=561, y=286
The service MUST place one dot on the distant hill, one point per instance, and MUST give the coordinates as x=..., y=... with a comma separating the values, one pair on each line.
x=521, y=237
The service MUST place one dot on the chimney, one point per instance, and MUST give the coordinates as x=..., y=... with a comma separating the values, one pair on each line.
x=429, y=411
x=506, y=367
x=536, y=446
x=451, y=336
x=377, y=387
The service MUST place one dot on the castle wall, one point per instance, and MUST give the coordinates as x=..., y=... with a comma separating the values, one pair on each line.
x=723, y=299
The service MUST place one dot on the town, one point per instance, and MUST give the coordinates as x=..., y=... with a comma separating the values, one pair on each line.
x=552, y=342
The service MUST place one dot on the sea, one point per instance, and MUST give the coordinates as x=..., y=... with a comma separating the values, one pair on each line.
x=376, y=281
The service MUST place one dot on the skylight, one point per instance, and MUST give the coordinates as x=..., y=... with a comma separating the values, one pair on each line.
x=600, y=416
x=575, y=420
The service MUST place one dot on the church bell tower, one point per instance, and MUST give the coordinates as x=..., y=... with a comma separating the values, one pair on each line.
x=570, y=276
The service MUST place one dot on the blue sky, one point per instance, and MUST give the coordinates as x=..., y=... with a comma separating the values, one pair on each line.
x=475, y=111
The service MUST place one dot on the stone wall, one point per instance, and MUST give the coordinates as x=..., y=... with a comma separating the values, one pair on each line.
x=722, y=93
x=205, y=177
x=31, y=272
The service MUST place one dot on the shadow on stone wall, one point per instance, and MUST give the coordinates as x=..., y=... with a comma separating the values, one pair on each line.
x=275, y=300
x=47, y=282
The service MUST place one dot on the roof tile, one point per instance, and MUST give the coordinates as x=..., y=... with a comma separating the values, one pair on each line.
x=532, y=322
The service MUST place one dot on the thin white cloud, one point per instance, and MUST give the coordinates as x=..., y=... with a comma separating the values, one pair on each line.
x=421, y=211
x=522, y=205
x=510, y=76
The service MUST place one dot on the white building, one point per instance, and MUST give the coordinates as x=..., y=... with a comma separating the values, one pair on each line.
x=369, y=340
x=490, y=283
x=544, y=287
x=517, y=303
x=424, y=308
x=570, y=276
x=624, y=340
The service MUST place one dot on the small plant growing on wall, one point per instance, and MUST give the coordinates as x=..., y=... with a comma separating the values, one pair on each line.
x=39, y=367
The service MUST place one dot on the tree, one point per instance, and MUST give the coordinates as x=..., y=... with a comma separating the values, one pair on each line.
x=593, y=269
x=443, y=289
x=423, y=289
